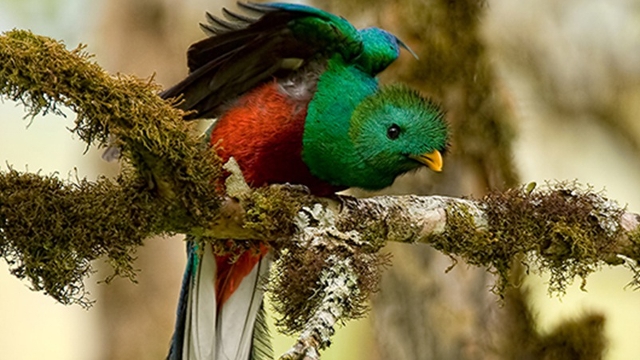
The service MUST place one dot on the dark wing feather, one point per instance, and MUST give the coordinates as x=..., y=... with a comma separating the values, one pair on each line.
x=245, y=52
x=239, y=40
x=223, y=24
x=255, y=8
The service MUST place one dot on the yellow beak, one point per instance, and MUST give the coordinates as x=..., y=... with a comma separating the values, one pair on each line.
x=433, y=160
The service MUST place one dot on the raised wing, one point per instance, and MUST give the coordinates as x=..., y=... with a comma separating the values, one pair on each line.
x=245, y=50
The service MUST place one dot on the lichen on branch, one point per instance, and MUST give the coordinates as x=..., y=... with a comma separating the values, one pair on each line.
x=565, y=229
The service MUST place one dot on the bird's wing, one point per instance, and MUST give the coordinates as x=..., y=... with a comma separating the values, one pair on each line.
x=244, y=51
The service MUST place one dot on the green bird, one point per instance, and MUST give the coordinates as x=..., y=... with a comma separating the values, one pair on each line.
x=296, y=98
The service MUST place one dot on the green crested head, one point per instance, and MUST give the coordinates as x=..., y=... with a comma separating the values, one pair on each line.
x=394, y=131
x=388, y=132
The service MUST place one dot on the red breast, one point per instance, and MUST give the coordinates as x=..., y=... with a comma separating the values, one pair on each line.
x=263, y=131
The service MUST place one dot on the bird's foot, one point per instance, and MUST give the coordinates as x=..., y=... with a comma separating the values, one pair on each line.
x=294, y=188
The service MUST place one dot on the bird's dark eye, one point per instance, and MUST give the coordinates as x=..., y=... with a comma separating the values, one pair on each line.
x=393, y=131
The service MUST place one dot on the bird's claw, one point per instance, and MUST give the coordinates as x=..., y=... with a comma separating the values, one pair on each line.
x=295, y=188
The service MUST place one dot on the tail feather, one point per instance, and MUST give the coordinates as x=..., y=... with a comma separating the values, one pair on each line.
x=237, y=316
x=230, y=274
x=177, y=341
x=200, y=328
x=261, y=347
x=205, y=331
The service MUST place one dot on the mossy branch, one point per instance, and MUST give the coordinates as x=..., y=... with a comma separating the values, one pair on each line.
x=328, y=257
x=564, y=229
x=169, y=170
x=51, y=231
x=116, y=110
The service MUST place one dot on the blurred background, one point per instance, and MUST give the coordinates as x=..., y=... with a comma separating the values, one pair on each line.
x=536, y=90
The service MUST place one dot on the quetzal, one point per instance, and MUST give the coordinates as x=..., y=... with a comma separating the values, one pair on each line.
x=296, y=99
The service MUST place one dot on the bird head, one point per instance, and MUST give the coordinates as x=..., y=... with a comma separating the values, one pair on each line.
x=396, y=130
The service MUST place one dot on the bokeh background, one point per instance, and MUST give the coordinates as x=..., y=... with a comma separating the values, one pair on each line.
x=553, y=86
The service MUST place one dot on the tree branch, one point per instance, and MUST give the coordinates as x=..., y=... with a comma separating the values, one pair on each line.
x=564, y=229
x=163, y=151
x=563, y=226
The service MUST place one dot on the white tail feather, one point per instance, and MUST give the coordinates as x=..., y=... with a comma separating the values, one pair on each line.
x=228, y=334
x=238, y=315
x=200, y=334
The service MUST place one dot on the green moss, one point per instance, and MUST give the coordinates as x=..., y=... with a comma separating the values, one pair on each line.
x=297, y=281
x=374, y=233
x=563, y=229
x=162, y=148
x=50, y=231
x=297, y=285
x=271, y=210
